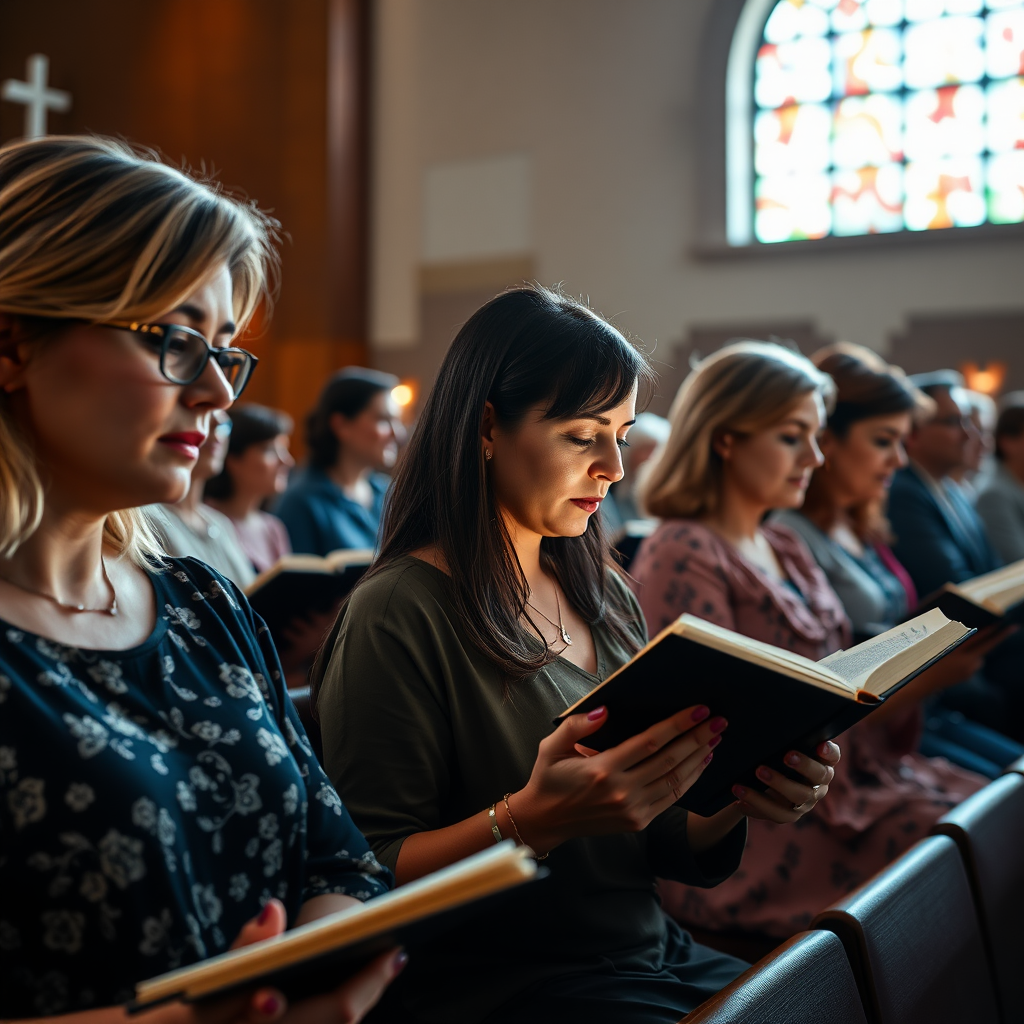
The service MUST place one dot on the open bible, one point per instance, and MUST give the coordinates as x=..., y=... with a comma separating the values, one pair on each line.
x=299, y=586
x=319, y=956
x=993, y=597
x=775, y=700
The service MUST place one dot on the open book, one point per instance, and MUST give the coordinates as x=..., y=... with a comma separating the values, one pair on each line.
x=993, y=597
x=299, y=586
x=319, y=956
x=775, y=700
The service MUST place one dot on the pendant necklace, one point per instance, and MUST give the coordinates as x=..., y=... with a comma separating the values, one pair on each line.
x=566, y=639
x=76, y=609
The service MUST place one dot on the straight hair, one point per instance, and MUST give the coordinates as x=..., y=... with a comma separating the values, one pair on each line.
x=347, y=393
x=250, y=424
x=529, y=346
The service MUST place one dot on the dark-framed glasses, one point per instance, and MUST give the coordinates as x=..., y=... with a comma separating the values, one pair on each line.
x=185, y=353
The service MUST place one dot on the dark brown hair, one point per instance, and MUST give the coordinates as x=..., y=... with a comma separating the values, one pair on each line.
x=527, y=347
x=250, y=424
x=1010, y=424
x=348, y=392
x=866, y=387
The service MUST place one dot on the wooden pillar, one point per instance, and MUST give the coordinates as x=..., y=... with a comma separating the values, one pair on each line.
x=271, y=95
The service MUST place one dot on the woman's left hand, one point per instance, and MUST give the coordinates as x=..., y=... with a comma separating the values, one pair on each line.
x=787, y=800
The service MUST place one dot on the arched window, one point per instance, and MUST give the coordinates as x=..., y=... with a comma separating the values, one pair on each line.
x=854, y=117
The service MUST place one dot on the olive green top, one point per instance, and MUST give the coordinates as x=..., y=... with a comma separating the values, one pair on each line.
x=420, y=733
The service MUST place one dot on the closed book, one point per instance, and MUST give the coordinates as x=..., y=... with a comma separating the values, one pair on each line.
x=301, y=586
x=993, y=597
x=317, y=957
x=775, y=700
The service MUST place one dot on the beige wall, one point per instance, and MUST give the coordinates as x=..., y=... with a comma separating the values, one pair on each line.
x=601, y=97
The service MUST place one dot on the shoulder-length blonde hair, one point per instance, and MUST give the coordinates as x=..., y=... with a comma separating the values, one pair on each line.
x=92, y=229
x=741, y=389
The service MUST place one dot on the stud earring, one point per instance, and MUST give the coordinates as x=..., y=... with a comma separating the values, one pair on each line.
x=488, y=454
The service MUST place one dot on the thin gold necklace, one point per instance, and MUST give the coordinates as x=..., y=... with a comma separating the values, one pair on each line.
x=76, y=609
x=566, y=639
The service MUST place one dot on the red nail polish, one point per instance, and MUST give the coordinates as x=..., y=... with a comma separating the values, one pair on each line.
x=268, y=1005
x=764, y=774
x=714, y=741
x=596, y=714
x=718, y=724
x=264, y=914
x=707, y=760
x=700, y=713
x=793, y=759
x=398, y=964
x=739, y=792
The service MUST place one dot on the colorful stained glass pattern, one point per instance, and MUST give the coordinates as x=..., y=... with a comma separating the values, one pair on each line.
x=877, y=116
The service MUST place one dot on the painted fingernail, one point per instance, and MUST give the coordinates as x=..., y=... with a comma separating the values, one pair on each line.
x=596, y=714
x=718, y=724
x=264, y=915
x=714, y=741
x=739, y=792
x=764, y=774
x=398, y=964
x=268, y=1005
x=707, y=760
x=700, y=713
x=793, y=759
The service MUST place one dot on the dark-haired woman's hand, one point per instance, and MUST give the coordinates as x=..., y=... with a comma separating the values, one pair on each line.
x=785, y=800
x=622, y=789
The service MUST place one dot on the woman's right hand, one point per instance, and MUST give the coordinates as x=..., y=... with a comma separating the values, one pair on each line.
x=573, y=792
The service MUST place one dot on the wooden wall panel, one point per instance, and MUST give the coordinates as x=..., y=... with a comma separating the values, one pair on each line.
x=271, y=96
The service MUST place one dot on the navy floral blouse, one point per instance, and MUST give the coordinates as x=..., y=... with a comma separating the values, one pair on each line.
x=152, y=799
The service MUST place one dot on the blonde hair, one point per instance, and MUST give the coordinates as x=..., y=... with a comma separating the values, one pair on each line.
x=743, y=388
x=92, y=229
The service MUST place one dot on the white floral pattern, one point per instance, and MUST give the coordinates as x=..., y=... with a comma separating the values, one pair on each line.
x=154, y=800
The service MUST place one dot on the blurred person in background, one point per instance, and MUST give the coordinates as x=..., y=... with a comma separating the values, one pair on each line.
x=973, y=474
x=843, y=525
x=939, y=537
x=353, y=435
x=190, y=528
x=255, y=469
x=1001, y=498
x=743, y=444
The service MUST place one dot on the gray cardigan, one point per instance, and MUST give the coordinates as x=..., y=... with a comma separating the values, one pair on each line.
x=1001, y=507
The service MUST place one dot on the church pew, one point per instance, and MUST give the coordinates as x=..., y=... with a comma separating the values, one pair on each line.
x=988, y=829
x=807, y=980
x=914, y=941
x=1017, y=767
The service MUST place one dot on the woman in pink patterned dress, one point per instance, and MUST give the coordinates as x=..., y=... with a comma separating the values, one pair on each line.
x=743, y=443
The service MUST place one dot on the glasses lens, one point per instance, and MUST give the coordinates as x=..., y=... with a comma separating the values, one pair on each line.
x=184, y=354
x=236, y=365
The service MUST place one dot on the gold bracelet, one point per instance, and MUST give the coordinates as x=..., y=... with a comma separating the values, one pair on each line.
x=515, y=828
x=493, y=819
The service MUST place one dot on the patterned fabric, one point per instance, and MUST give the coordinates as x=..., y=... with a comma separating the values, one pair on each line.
x=882, y=799
x=153, y=799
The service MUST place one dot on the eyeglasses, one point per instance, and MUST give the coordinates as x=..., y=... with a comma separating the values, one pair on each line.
x=185, y=353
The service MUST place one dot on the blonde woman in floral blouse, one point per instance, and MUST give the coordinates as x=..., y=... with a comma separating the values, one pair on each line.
x=159, y=800
x=743, y=442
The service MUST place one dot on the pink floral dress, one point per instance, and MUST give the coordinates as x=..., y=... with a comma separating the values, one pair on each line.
x=884, y=797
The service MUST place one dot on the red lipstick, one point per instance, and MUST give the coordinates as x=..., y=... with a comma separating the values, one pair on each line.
x=185, y=442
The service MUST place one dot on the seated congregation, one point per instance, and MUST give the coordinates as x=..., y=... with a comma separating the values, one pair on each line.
x=161, y=799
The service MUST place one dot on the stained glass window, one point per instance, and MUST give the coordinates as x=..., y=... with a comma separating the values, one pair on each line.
x=888, y=115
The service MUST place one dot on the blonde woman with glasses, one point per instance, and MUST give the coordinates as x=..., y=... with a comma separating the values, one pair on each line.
x=158, y=797
x=744, y=442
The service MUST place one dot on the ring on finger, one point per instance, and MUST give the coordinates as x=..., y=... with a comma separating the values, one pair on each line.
x=809, y=803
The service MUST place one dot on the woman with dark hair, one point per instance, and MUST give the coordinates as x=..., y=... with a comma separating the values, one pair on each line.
x=493, y=606
x=352, y=434
x=255, y=469
x=842, y=521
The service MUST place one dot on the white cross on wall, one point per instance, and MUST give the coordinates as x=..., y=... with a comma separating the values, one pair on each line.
x=38, y=99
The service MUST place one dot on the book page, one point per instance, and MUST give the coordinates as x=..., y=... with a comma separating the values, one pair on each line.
x=879, y=663
x=997, y=591
x=344, y=557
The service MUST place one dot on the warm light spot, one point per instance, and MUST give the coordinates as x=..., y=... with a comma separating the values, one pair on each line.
x=403, y=395
x=987, y=380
